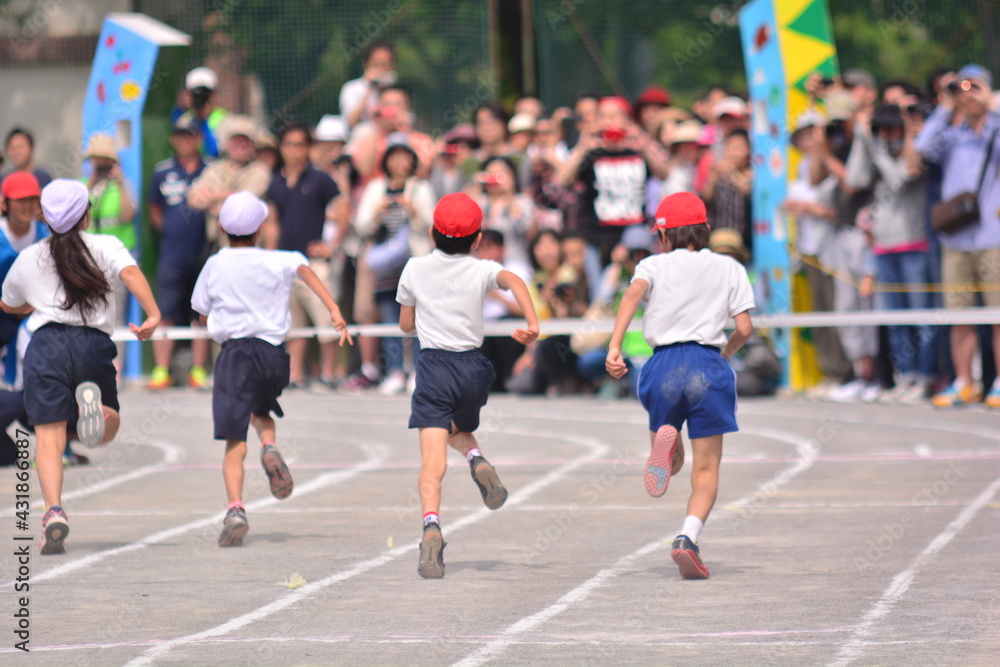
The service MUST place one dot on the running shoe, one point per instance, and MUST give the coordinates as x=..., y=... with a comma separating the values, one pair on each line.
x=198, y=377
x=277, y=472
x=160, y=378
x=955, y=396
x=55, y=528
x=357, y=383
x=656, y=473
x=393, y=385
x=485, y=476
x=71, y=458
x=234, y=528
x=431, y=564
x=993, y=397
x=677, y=462
x=90, y=426
x=685, y=554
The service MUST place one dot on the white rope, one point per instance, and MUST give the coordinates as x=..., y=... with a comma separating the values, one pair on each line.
x=927, y=317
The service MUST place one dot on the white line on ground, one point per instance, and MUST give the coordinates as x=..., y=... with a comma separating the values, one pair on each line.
x=596, y=449
x=374, y=456
x=901, y=583
x=491, y=651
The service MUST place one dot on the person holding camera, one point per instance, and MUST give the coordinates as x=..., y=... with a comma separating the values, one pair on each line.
x=369, y=139
x=506, y=209
x=962, y=136
x=359, y=97
x=199, y=88
x=883, y=156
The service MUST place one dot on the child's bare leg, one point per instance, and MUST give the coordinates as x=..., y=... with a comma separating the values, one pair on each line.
x=297, y=358
x=461, y=441
x=51, y=441
x=707, y=455
x=265, y=427
x=112, y=420
x=434, y=463
x=232, y=469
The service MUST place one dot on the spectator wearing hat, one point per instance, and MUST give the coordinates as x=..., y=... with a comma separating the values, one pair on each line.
x=394, y=217
x=520, y=132
x=648, y=106
x=300, y=196
x=884, y=155
x=368, y=139
x=182, y=246
x=963, y=136
x=727, y=116
x=329, y=140
x=238, y=169
x=546, y=155
x=683, y=164
x=862, y=88
x=267, y=148
x=20, y=150
x=200, y=84
x=359, y=97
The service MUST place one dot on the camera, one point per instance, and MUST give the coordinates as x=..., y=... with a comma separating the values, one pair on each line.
x=921, y=109
x=564, y=291
x=493, y=179
x=199, y=97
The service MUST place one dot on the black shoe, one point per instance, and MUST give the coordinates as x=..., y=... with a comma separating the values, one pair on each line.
x=431, y=564
x=485, y=476
x=234, y=528
x=685, y=553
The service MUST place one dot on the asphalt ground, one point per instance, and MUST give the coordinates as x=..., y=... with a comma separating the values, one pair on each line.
x=857, y=534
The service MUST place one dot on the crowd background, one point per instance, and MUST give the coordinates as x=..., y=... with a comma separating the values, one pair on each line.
x=352, y=121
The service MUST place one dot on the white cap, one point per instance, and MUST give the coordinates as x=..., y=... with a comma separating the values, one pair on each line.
x=730, y=106
x=521, y=122
x=201, y=77
x=64, y=202
x=332, y=128
x=242, y=213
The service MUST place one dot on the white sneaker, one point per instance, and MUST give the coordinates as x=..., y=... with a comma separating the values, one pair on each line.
x=820, y=392
x=915, y=394
x=870, y=393
x=848, y=393
x=393, y=384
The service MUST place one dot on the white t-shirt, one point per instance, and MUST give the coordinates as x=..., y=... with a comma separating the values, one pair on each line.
x=244, y=292
x=494, y=309
x=692, y=296
x=448, y=292
x=352, y=94
x=18, y=243
x=33, y=279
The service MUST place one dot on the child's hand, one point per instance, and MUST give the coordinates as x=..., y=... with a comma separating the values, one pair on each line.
x=340, y=325
x=145, y=331
x=615, y=365
x=867, y=287
x=526, y=336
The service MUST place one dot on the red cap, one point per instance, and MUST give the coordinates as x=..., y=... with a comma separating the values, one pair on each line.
x=21, y=185
x=680, y=210
x=620, y=102
x=456, y=215
x=654, y=95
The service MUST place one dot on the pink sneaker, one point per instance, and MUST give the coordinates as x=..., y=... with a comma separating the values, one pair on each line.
x=656, y=474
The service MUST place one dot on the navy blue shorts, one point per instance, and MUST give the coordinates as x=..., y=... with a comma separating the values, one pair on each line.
x=59, y=357
x=174, y=287
x=689, y=382
x=451, y=387
x=249, y=376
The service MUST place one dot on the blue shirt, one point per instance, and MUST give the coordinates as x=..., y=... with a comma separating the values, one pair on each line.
x=302, y=208
x=960, y=152
x=41, y=176
x=182, y=236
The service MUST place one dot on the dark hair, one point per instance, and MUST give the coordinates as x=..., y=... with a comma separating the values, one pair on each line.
x=586, y=95
x=84, y=283
x=295, y=126
x=458, y=245
x=935, y=77
x=507, y=161
x=494, y=109
x=414, y=160
x=23, y=132
x=556, y=236
x=375, y=46
x=493, y=237
x=738, y=132
x=245, y=238
x=695, y=236
x=398, y=87
x=574, y=236
x=907, y=87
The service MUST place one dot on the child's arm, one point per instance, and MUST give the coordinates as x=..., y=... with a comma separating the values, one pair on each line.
x=508, y=280
x=614, y=364
x=139, y=287
x=316, y=285
x=408, y=319
x=23, y=309
x=744, y=329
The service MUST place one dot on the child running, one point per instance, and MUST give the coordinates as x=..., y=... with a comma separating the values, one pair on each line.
x=69, y=370
x=442, y=300
x=242, y=295
x=692, y=294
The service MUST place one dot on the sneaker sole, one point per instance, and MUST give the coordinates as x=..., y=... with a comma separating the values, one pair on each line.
x=493, y=491
x=277, y=473
x=431, y=565
x=55, y=536
x=689, y=564
x=234, y=537
x=90, y=425
x=656, y=473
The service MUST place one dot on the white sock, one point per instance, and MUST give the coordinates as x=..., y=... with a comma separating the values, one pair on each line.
x=692, y=527
x=473, y=453
x=431, y=517
x=369, y=370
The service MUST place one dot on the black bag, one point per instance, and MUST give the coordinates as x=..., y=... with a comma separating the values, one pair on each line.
x=963, y=210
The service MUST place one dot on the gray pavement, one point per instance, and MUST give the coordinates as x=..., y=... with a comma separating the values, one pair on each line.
x=860, y=534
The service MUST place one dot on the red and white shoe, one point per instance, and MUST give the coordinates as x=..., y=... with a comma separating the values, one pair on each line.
x=685, y=554
x=656, y=474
